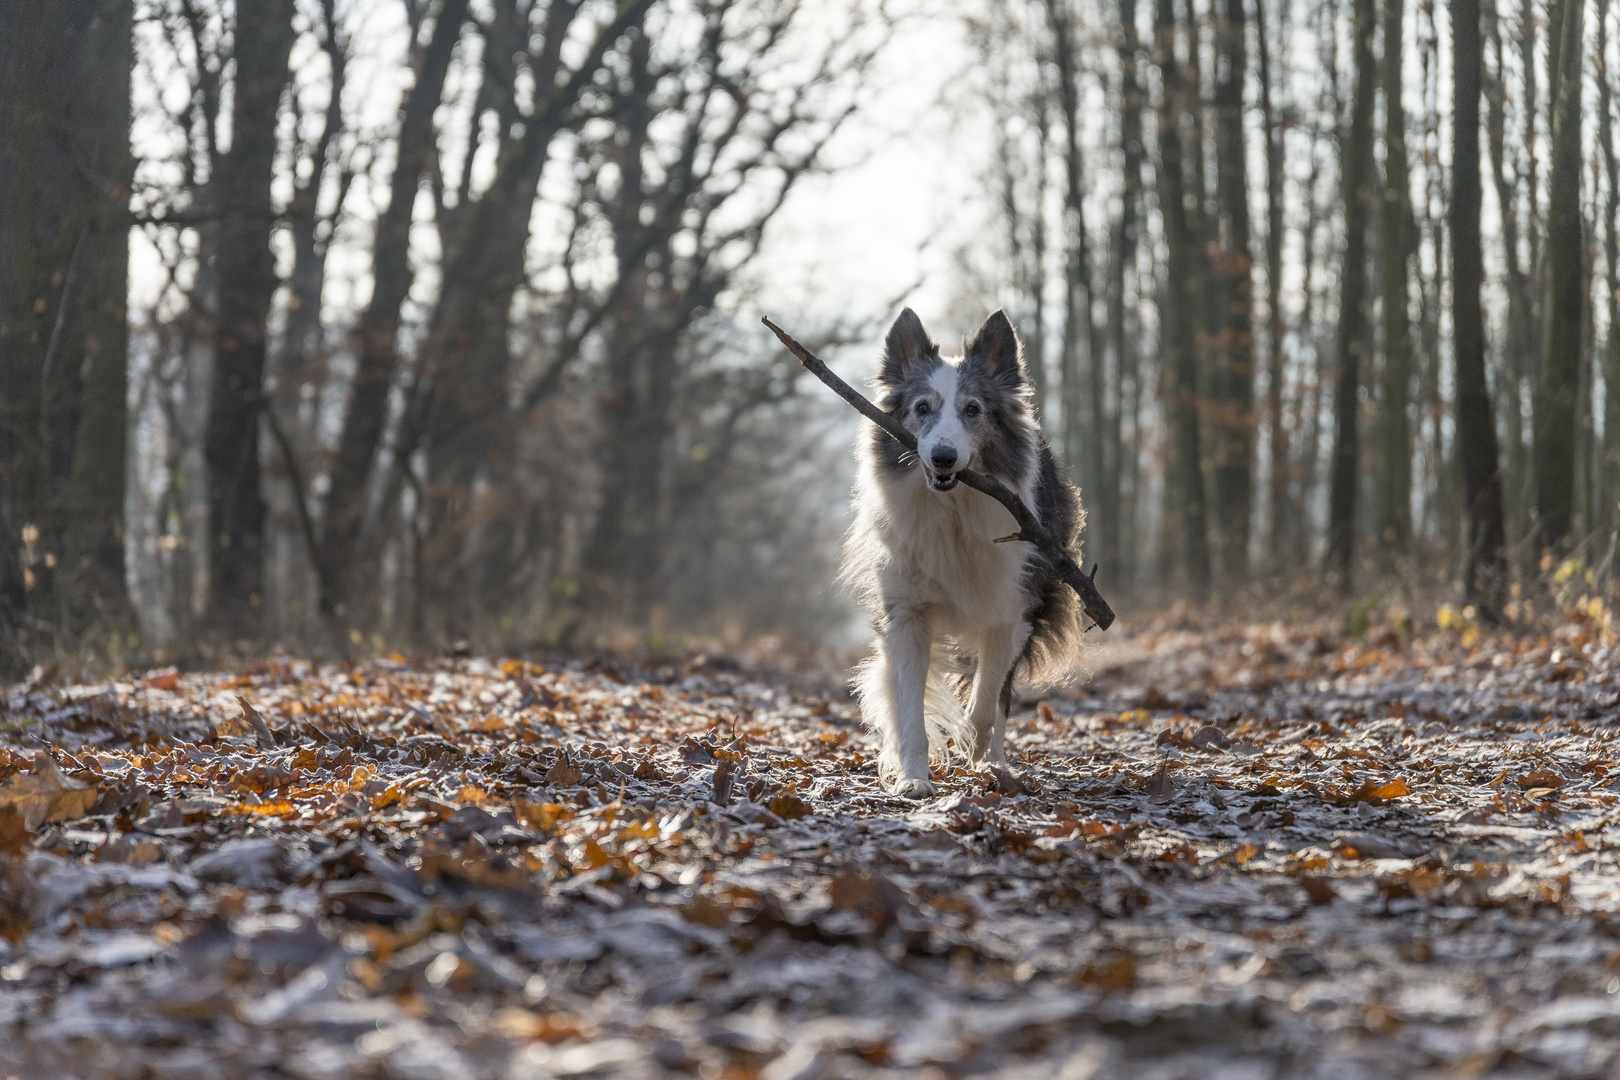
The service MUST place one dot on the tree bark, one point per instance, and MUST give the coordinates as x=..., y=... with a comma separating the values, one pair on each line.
x=1232, y=439
x=1351, y=340
x=377, y=341
x=1179, y=314
x=1484, y=575
x=64, y=187
x=1117, y=530
x=1395, y=246
x=247, y=283
x=1084, y=420
x=1608, y=520
x=1282, y=517
x=1556, y=427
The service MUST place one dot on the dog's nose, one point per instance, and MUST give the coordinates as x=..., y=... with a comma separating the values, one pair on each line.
x=943, y=458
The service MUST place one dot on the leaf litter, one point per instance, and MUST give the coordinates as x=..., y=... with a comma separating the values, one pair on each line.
x=1236, y=849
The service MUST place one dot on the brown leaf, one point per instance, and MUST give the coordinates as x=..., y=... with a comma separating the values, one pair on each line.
x=563, y=773
x=42, y=675
x=1541, y=778
x=1209, y=736
x=1318, y=890
x=1007, y=782
x=1365, y=846
x=261, y=730
x=866, y=893
x=1372, y=790
x=788, y=807
x=694, y=752
x=1160, y=788
x=14, y=831
x=1112, y=969
x=167, y=679
x=725, y=774
x=542, y=817
x=46, y=794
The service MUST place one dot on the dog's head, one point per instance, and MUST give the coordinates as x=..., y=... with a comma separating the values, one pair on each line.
x=963, y=410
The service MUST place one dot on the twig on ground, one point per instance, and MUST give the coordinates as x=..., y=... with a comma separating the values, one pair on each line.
x=1030, y=530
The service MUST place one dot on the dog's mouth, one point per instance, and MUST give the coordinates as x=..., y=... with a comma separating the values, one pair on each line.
x=941, y=481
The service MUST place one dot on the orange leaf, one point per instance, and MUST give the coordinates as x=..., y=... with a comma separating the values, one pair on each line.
x=788, y=807
x=167, y=679
x=476, y=797
x=542, y=816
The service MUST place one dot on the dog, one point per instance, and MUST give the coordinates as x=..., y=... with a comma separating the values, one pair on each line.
x=956, y=615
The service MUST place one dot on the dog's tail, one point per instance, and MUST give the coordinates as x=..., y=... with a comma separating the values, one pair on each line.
x=944, y=715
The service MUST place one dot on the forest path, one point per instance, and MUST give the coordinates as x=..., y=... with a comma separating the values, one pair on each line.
x=1246, y=851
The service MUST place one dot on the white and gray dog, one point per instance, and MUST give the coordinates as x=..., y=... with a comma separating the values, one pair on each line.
x=956, y=614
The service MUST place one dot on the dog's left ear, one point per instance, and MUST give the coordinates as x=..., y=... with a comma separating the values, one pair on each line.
x=994, y=349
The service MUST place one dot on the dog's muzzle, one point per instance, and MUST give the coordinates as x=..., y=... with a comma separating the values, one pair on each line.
x=941, y=481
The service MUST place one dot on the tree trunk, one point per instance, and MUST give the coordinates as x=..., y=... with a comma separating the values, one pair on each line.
x=1395, y=247
x=1351, y=339
x=1277, y=543
x=1609, y=482
x=1484, y=575
x=1556, y=428
x=1179, y=314
x=1522, y=345
x=1084, y=448
x=247, y=284
x=1233, y=435
x=1117, y=531
x=378, y=336
x=64, y=185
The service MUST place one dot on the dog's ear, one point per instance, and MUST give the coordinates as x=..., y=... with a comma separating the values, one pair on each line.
x=995, y=350
x=907, y=344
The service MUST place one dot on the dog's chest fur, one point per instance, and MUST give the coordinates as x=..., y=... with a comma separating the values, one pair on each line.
x=939, y=551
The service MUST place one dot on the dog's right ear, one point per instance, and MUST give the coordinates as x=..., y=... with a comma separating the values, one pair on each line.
x=907, y=345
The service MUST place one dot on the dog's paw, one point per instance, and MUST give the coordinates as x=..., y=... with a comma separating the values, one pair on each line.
x=915, y=788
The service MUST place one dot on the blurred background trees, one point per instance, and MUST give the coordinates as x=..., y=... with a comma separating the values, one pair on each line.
x=412, y=321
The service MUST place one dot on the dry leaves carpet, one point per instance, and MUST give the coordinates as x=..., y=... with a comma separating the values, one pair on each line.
x=1240, y=851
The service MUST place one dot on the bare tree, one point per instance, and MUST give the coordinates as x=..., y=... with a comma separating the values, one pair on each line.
x=1485, y=570
x=1394, y=521
x=1558, y=418
x=1179, y=353
x=64, y=227
x=1351, y=337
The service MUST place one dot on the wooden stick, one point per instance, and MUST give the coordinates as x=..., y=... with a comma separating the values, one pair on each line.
x=1030, y=530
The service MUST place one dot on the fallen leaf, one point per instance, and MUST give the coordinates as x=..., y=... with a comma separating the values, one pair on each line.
x=725, y=773
x=1318, y=890
x=260, y=729
x=14, y=831
x=1371, y=790
x=1111, y=970
x=1160, y=788
x=1541, y=778
x=167, y=679
x=563, y=773
x=544, y=817
x=788, y=807
x=46, y=794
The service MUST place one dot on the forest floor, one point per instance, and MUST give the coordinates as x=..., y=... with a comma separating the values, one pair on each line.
x=1233, y=851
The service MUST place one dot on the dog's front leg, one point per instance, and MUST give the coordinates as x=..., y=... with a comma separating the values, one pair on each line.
x=907, y=642
x=992, y=686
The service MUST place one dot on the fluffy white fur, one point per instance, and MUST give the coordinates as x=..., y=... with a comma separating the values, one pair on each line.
x=928, y=563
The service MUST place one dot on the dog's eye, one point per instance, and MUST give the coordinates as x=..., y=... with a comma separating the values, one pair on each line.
x=922, y=408
x=971, y=410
